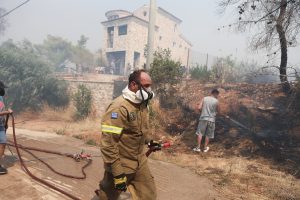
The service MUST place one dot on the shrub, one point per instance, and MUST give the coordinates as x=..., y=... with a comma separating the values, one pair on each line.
x=200, y=73
x=83, y=102
x=164, y=71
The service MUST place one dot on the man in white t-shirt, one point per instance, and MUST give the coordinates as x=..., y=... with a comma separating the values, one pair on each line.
x=209, y=107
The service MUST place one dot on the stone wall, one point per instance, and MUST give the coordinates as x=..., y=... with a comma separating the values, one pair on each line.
x=102, y=92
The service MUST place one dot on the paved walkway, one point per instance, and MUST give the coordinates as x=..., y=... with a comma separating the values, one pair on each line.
x=173, y=182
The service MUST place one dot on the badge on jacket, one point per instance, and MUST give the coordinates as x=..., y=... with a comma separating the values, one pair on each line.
x=114, y=115
x=132, y=116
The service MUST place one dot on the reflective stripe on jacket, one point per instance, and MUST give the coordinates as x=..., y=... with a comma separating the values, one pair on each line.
x=124, y=128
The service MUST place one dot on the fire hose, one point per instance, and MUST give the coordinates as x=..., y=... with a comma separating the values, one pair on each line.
x=156, y=148
x=77, y=157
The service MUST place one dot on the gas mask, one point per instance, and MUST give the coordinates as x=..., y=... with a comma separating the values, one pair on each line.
x=144, y=94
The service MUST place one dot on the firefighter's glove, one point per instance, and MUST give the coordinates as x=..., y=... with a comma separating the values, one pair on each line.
x=120, y=182
x=154, y=145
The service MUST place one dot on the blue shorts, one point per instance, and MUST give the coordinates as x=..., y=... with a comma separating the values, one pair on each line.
x=2, y=137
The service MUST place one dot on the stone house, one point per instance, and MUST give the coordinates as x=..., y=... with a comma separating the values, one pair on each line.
x=125, y=38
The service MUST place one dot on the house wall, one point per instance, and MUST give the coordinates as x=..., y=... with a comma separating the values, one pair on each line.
x=137, y=41
x=167, y=32
x=167, y=36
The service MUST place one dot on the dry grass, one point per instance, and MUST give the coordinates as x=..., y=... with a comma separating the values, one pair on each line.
x=59, y=121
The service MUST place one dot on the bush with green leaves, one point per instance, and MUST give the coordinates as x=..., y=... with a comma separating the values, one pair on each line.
x=165, y=73
x=30, y=80
x=83, y=102
x=55, y=92
x=201, y=73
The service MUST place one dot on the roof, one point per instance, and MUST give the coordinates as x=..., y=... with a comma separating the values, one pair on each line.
x=186, y=39
x=117, y=11
x=126, y=17
x=170, y=15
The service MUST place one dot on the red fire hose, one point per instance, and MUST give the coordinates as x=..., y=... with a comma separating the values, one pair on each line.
x=23, y=165
x=77, y=157
x=156, y=148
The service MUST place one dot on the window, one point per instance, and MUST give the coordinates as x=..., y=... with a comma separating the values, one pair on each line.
x=110, y=30
x=123, y=30
x=145, y=13
x=110, y=37
x=174, y=44
x=160, y=37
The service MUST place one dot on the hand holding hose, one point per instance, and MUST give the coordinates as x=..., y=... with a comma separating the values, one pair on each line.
x=156, y=146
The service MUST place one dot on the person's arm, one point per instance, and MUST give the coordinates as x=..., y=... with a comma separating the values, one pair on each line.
x=199, y=107
x=7, y=118
x=112, y=127
x=9, y=111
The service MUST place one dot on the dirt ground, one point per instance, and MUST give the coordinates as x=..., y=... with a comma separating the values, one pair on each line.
x=173, y=182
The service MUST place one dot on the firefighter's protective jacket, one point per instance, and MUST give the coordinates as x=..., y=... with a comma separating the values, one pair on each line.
x=125, y=130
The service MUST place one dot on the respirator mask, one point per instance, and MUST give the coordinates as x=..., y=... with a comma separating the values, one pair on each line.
x=144, y=94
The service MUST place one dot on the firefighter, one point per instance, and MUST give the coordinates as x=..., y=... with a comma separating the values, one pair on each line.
x=125, y=131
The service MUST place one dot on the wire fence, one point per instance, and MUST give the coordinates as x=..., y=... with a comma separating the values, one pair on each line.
x=202, y=59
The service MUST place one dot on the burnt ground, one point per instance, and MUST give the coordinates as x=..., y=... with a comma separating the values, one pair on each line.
x=261, y=123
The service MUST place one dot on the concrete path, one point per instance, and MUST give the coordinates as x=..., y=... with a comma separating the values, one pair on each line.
x=173, y=182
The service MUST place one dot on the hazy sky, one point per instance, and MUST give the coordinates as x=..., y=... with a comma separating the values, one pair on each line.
x=71, y=18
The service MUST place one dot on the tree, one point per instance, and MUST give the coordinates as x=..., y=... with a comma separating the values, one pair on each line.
x=165, y=74
x=82, y=57
x=56, y=50
x=276, y=25
x=29, y=78
x=164, y=71
x=82, y=41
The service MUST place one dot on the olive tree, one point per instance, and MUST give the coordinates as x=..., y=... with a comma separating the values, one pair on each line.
x=275, y=24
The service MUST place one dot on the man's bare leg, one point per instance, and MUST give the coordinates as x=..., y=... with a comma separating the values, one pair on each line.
x=199, y=140
x=206, y=148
